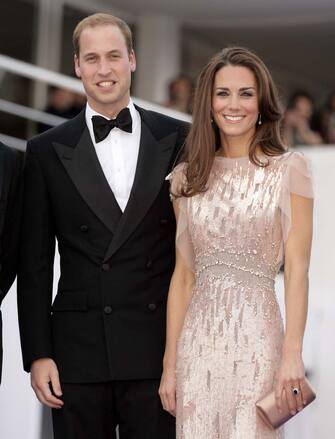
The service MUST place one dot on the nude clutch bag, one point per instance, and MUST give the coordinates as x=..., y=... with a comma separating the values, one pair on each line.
x=267, y=409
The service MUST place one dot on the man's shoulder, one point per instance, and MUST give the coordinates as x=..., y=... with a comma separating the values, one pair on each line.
x=67, y=133
x=162, y=122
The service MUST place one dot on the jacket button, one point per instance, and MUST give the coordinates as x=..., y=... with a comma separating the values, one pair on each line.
x=105, y=267
x=152, y=306
x=149, y=264
x=108, y=309
x=84, y=228
x=163, y=221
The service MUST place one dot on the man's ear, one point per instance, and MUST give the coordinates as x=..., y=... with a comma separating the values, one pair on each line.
x=76, y=66
x=132, y=59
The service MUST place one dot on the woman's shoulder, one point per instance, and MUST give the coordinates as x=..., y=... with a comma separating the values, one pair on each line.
x=297, y=174
x=295, y=159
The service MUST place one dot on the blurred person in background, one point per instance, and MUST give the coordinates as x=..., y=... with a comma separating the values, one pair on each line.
x=243, y=205
x=180, y=94
x=297, y=128
x=63, y=103
x=10, y=215
x=97, y=184
x=327, y=121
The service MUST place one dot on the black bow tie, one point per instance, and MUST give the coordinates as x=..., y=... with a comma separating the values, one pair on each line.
x=102, y=127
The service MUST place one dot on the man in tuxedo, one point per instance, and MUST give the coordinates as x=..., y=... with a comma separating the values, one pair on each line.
x=97, y=185
x=10, y=203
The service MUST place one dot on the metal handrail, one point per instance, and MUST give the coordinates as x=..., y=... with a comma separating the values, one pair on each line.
x=30, y=113
x=36, y=73
x=13, y=142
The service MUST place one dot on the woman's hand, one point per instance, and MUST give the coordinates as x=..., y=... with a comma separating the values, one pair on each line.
x=291, y=376
x=167, y=390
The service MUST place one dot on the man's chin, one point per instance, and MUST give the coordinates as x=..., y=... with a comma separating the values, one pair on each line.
x=106, y=100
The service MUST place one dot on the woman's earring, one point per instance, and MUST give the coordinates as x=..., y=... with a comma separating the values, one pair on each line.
x=259, y=119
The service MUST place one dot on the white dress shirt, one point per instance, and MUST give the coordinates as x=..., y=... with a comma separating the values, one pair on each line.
x=118, y=154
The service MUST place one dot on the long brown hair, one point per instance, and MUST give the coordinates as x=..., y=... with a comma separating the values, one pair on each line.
x=204, y=139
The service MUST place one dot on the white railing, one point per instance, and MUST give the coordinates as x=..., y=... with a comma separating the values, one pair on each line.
x=13, y=142
x=36, y=73
x=49, y=77
x=30, y=113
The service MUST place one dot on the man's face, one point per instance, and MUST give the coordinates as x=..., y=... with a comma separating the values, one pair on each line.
x=105, y=66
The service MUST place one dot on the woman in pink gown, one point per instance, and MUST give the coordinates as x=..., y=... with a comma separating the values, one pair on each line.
x=243, y=207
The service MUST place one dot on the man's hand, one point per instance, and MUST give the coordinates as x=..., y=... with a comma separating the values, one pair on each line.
x=45, y=382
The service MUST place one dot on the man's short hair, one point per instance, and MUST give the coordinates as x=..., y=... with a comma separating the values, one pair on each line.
x=101, y=19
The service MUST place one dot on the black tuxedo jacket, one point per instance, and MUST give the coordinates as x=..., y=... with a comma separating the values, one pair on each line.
x=108, y=318
x=10, y=203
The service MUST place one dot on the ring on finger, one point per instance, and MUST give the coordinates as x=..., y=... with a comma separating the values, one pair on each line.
x=295, y=391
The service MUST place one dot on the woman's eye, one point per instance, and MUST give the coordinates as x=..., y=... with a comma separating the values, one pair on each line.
x=222, y=93
x=247, y=94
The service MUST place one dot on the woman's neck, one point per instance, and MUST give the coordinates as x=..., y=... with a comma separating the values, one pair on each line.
x=234, y=147
x=232, y=150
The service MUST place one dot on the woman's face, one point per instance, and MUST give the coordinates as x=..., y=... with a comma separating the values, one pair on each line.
x=235, y=102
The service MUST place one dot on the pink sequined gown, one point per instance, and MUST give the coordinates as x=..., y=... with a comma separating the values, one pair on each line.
x=230, y=345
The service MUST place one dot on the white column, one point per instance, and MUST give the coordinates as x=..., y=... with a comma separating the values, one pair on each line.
x=48, y=43
x=158, y=51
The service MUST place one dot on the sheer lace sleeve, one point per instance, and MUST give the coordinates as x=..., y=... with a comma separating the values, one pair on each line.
x=297, y=180
x=183, y=239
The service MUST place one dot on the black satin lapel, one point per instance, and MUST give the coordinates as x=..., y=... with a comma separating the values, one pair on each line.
x=83, y=167
x=152, y=168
